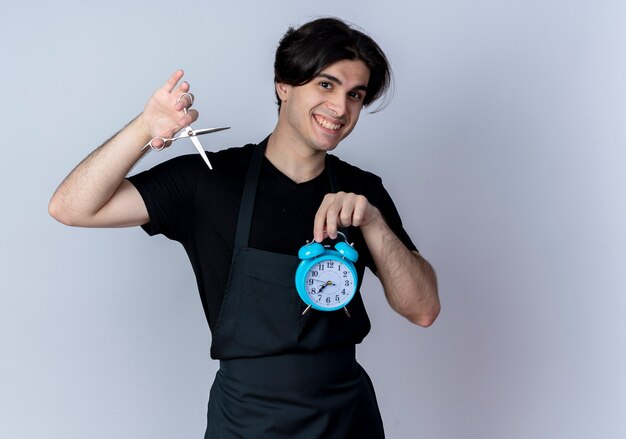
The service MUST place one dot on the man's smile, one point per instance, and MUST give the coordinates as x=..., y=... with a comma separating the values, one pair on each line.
x=326, y=123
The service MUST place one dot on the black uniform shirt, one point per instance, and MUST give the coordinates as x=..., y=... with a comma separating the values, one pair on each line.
x=198, y=207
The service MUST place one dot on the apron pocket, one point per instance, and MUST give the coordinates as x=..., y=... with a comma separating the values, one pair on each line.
x=270, y=317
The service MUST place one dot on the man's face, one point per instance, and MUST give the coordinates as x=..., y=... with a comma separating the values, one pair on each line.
x=322, y=112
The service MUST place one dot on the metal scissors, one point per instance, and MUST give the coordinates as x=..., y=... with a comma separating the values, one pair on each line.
x=187, y=132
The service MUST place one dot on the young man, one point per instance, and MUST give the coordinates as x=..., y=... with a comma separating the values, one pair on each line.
x=282, y=373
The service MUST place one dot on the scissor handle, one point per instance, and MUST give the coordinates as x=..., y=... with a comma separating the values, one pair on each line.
x=157, y=148
x=186, y=132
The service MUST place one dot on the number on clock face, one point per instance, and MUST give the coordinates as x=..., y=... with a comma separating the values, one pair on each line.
x=329, y=283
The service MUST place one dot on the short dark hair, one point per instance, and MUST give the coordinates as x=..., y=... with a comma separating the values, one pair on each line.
x=304, y=52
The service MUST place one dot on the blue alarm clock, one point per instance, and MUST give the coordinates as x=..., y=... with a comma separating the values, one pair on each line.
x=326, y=278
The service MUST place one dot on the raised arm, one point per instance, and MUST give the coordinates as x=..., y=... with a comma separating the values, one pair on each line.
x=95, y=193
x=409, y=281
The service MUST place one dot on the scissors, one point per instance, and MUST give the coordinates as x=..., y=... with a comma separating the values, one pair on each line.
x=187, y=132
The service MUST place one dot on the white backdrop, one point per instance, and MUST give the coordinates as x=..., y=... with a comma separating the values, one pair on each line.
x=503, y=149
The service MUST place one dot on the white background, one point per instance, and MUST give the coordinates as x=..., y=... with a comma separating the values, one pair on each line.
x=503, y=149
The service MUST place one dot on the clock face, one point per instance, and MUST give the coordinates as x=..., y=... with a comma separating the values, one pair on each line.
x=330, y=283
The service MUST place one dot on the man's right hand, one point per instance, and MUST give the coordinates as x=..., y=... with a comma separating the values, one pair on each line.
x=96, y=193
x=164, y=114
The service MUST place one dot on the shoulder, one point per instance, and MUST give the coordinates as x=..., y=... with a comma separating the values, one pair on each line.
x=358, y=181
x=189, y=169
x=228, y=156
x=237, y=155
x=352, y=176
x=227, y=161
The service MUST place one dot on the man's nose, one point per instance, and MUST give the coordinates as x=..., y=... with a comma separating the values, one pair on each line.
x=337, y=104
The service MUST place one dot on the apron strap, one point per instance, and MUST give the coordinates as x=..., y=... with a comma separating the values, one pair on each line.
x=330, y=167
x=246, y=208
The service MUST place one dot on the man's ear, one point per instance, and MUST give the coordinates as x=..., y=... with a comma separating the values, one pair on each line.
x=282, y=90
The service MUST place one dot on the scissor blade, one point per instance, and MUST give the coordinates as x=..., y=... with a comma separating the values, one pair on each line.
x=208, y=131
x=200, y=149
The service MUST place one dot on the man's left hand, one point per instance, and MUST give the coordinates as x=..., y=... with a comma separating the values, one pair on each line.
x=342, y=210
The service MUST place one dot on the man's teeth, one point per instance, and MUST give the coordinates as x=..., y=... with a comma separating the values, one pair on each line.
x=327, y=124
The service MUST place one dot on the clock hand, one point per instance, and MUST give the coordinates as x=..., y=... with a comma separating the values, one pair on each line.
x=325, y=285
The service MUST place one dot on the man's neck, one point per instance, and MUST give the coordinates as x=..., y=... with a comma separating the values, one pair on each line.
x=297, y=162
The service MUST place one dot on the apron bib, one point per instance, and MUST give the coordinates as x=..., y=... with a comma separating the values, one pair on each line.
x=283, y=374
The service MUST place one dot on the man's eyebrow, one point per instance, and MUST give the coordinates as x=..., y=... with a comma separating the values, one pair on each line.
x=337, y=81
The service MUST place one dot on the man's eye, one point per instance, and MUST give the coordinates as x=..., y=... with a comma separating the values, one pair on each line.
x=355, y=95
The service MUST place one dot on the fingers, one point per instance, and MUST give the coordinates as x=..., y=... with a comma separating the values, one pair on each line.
x=184, y=97
x=339, y=210
x=169, y=109
x=188, y=118
x=184, y=100
x=170, y=84
x=320, y=222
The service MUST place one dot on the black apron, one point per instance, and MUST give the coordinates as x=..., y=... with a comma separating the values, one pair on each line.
x=283, y=374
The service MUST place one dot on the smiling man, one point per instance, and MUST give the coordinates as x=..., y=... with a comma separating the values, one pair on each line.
x=284, y=373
